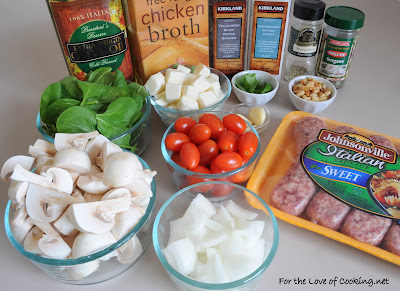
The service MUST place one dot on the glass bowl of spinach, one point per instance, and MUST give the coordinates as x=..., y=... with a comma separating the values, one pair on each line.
x=105, y=102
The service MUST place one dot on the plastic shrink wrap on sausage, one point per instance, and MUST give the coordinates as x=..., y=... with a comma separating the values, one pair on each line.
x=391, y=242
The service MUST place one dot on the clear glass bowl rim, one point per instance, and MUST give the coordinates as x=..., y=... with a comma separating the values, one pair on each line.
x=145, y=116
x=266, y=122
x=91, y=257
x=200, y=175
x=178, y=112
x=209, y=286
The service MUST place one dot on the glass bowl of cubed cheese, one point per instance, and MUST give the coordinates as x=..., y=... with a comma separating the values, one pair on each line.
x=182, y=91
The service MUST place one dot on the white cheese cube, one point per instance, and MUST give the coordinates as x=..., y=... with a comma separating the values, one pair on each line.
x=162, y=102
x=215, y=87
x=202, y=70
x=160, y=95
x=186, y=103
x=219, y=94
x=189, y=79
x=201, y=84
x=174, y=76
x=183, y=69
x=190, y=91
x=173, y=92
x=155, y=84
x=213, y=78
x=207, y=99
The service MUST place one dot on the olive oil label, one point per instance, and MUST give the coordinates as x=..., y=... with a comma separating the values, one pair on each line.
x=335, y=56
x=304, y=43
x=269, y=21
x=93, y=35
x=229, y=18
x=164, y=33
x=353, y=169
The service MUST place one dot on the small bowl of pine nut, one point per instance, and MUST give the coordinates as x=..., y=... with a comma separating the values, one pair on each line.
x=311, y=94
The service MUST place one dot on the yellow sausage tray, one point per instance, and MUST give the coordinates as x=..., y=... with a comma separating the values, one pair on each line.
x=276, y=160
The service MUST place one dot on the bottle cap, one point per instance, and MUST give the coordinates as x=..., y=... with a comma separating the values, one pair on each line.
x=343, y=17
x=309, y=9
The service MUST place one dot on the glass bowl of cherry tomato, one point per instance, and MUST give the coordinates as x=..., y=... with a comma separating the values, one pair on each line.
x=211, y=146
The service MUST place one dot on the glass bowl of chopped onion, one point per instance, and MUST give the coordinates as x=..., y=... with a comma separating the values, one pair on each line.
x=218, y=243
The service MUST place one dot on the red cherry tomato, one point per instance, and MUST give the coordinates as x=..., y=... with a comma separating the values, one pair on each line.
x=234, y=123
x=248, y=143
x=244, y=174
x=221, y=190
x=195, y=180
x=175, y=141
x=199, y=133
x=214, y=123
x=184, y=124
x=228, y=141
x=176, y=157
x=208, y=150
x=214, y=169
x=190, y=156
x=228, y=161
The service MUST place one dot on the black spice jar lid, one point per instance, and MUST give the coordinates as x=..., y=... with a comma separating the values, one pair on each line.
x=309, y=9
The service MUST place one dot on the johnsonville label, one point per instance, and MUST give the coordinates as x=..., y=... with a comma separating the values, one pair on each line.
x=229, y=19
x=356, y=171
x=269, y=22
x=335, y=57
x=92, y=34
x=164, y=33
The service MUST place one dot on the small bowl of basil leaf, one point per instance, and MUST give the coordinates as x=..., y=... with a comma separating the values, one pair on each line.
x=254, y=87
x=105, y=102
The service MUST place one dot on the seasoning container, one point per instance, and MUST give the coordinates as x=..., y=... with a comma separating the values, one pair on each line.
x=305, y=34
x=267, y=26
x=338, y=42
x=92, y=34
x=227, y=36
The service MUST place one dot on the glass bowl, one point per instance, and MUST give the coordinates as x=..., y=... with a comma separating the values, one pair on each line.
x=175, y=207
x=70, y=270
x=138, y=136
x=168, y=115
x=243, y=109
x=183, y=177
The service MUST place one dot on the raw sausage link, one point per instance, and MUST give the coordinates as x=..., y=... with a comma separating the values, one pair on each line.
x=391, y=242
x=295, y=190
x=382, y=141
x=366, y=227
x=345, y=129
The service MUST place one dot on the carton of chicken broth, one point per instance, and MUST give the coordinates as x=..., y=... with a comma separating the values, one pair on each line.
x=165, y=32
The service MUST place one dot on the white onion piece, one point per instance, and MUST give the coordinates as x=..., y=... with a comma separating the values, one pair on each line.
x=182, y=255
x=239, y=212
x=223, y=217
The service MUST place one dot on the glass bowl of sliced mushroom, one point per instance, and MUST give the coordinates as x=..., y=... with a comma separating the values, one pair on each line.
x=80, y=209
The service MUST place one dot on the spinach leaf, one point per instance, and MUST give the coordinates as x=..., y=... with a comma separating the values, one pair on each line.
x=118, y=117
x=76, y=119
x=119, y=80
x=52, y=93
x=135, y=86
x=90, y=90
x=102, y=76
x=72, y=87
x=57, y=107
x=123, y=141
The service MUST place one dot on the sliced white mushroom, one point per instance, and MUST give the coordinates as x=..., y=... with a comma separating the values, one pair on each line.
x=108, y=149
x=46, y=205
x=92, y=184
x=95, y=170
x=77, y=140
x=51, y=243
x=94, y=147
x=36, y=153
x=69, y=240
x=92, y=197
x=74, y=176
x=61, y=178
x=146, y=174
x=8, y=167
x=81, y=271
x=64, y=225
x=45, y=146
x=19, y=224
x=73, y=159
x=130, y=251
x=140, y=188
x=99, y=161
x=117, y=193
x=89, y=243
x=120, y=169
x=43, y=161
x=140, y=201
x=97, y=217
x=23, y=175
x=17, y=192
x=32, y=240
x=126, y=220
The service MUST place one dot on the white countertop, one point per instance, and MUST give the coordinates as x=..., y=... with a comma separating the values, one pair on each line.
x=31, y=59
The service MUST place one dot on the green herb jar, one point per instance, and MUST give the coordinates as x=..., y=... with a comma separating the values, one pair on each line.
x=339, y=38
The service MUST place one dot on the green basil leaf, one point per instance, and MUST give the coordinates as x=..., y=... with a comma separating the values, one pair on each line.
x=265, y=89
x=102, y=76
x=76, y=119
x=51, y=94
x=57, y=107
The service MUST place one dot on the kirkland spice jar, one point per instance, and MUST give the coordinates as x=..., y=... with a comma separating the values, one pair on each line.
x=338, y=42
x=92, y=34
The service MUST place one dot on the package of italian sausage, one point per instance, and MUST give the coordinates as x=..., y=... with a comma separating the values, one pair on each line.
x=335, y=179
